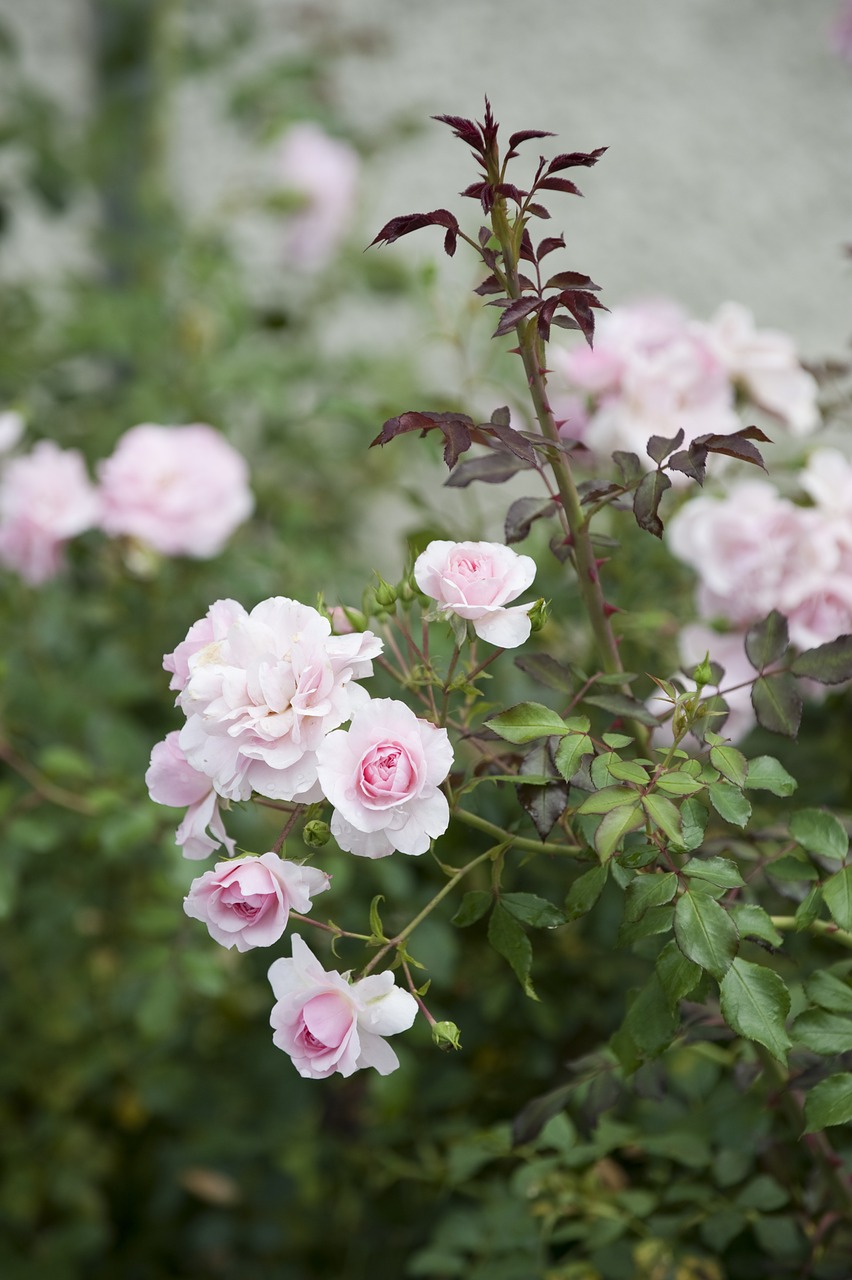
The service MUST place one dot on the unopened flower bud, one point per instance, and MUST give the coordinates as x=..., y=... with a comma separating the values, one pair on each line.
x=703, y=673
x=385, y=593
x=316, y=833
x=345, y=620
x=538, y=614
x=446, y=1035
x=405, y=591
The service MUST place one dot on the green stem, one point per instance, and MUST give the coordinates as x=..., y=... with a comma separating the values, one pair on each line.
x=824, y=927
x=518, y=842
x=427, y=910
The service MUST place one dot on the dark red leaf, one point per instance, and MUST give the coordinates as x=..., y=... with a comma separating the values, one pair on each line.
x=575, y=159
x=457, y=428
x=457, y=441
x=538, y=210
x=494, y=468
x=516, y=311
x=513, y=193
x=527, y=251
x=490, y=285
x=501, y=417
x=450, y=241
x=565, y=322
x=735, y=444
x=579, y=304
x=464, y=129
x=485, y=234
x=513, y=441
x=522, y=513
x=658, y=447
x=545, y=317
x=691, y=461
x=646, y=501
x=547, y=246
x=408, y=222
x=526, y=134
x=489, y=126
x=570, y=280
x=558, y=184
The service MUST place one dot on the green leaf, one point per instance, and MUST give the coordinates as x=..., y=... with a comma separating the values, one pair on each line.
x=532, y=910
x=677, y=782
x=607, y=799
x=824, y=1033
x=717, y=871
x=755, y=1003
x=763, y=1193
x=730, y=762
x=820, y=832
x=570, y=752
x=837, y=892
x=793, y=866
x=650, y=1025
x=472, y=907
x=829, y=663
x=664, y=815
x=376, y=928
x=615, y=741
x=808, y=909
x=585, y=891
x=694, y=817
x=544, y=669
x=629, y=771
x=752, y=921
x=767, y=641
x=829, y=992
x=526, y=722
x=729, y=802
x=765, y=773
x=615, y=825
x=651, y=890
x=509, y=940
x=678, y=976
x=655, y=920
x=828, y=1103
x=705, y=932
x=777, y=703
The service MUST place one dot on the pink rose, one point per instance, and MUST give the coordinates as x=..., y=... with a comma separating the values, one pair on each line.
x=46, y=498
x=324, y=171
x=327, y=1024
x=179, y=490
x=474, y=580
x=171, y=780
x=246, y=903
x=262, y=694
x=383, y=775
x=214, y=626
x=764, y=361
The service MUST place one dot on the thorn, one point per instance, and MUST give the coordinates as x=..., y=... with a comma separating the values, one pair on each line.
x=610, y=609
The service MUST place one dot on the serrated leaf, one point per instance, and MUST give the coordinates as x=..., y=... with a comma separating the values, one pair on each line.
x=767, y=641
x=522, y=514
x=526, y=722
x=547, y=671
x=729, y=802
x=765, y=773
x=752, y=921
x=664, y=815
x=585, y=891
x=652, y=890
x=820, y=832
x=614, y=826
x=824, y=1033
x=532, y=910
x=650, y=1022
x=777, y=703
x=731, y=763
x=646, y=501
x=494, y=468
x=808, y=910
x=509, y=940
x=655, y=920
x=705, y=932
x=677, y=782
x=693, y=818
x=628, y=771
x=719, y=871
x=472, y=907
x=837, y=892
x=829, y=1103
x=615, y=741
x=544, y=804
x=829, y=992
x=829, y=663
x=755, y=1003
x=659, y=447
x=607, y=799
x=678, y=976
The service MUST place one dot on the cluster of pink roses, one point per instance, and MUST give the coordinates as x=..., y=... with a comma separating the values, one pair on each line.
x=264, y=694
x=175, y=490
x=754, y=551
x=655, y=371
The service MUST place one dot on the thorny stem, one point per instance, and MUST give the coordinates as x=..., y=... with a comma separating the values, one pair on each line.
x=427, y=910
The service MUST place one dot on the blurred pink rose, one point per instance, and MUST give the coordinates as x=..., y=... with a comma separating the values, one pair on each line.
x=327, y=1024
x=840, y=36
x=262, y=694
x=46, y=498
x=324, y=171
x=383, y=775
x=764, y=361
x=179, y=490
x=652, y=371
x=171, y=780
x=246, y=903
x=474, y=580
